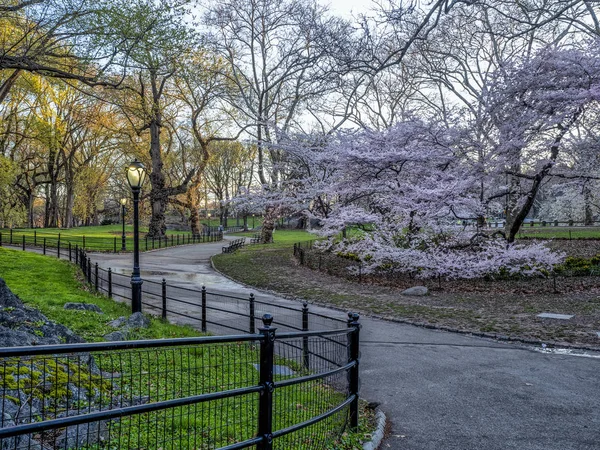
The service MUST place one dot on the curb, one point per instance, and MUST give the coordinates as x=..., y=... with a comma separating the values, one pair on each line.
x=492, y=336
x=375, y=441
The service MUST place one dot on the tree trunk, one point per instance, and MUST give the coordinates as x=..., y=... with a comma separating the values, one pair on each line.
x=268, y=226
x=588, y=217
x=158, y=198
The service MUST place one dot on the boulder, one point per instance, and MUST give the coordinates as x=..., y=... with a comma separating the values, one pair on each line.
x=118, y=322
x=116, y=336
x=83, y=307
x=7, y=298
x=138, y=320
x=416, y=291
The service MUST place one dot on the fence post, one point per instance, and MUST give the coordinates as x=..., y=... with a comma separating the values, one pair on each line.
x=265, y=406
x=58, y=247
x=295, y=249
x=10, y=237
x=353, y=356
x=34, y=237
x=44, y=246
x=96, y=276
x=0, y=239
x=115, y=245
x=109, y=282
x=76, y=254
x=164, y=299
x=83, y=242
x=70, y=254
x=252, y=313
x=204, y=309
x=23, y=242
x=152, y=242
x=305, y=351
x=89, y=270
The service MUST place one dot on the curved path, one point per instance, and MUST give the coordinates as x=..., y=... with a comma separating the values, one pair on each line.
x=439, y=390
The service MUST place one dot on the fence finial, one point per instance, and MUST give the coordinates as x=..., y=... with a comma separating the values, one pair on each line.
x=267, y=320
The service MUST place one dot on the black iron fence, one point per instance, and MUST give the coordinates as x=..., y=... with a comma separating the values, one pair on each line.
x=63, y=243
x=298, y=386
x=228, y=392
x=209, y=311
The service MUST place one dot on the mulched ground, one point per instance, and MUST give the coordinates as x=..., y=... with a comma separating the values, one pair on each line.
x=506, y=308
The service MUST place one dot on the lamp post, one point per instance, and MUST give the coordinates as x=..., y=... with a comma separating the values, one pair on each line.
x=123, y=202
x=253, y=221
x=136, y=174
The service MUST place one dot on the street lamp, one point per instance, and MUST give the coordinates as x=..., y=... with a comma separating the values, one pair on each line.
x=136, y=174
x=253, y=221
x=123, y=202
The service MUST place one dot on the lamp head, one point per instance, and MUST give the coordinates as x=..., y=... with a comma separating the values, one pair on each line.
x=136, y=174
x=123, y=201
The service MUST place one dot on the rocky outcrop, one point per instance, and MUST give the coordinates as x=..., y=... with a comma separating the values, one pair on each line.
x=83, y=307
x=20, y=325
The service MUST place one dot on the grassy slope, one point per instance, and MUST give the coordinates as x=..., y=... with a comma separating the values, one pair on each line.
x=47, y=284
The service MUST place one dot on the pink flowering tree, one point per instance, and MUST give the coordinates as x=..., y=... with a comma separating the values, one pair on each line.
x=536, y=105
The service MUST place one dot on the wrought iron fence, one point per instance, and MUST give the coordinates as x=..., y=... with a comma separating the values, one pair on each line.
x=298, y=387
x=231, y=392
x=209, y=311
x=59, y=244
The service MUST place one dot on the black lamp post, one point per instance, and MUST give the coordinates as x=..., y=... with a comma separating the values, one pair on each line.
x=253, y=221
x=123, y=202
x=136, y=174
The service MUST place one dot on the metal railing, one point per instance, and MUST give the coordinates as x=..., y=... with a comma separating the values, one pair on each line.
x=228, y=392
x=209, y=311
x=50, y=242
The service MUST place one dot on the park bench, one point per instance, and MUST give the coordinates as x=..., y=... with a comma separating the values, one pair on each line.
x=234, y=245
x=255, y=239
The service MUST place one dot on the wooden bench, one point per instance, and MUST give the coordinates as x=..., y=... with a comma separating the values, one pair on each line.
x=234, y=245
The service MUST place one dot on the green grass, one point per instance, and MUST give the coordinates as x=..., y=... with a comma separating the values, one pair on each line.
x=47, y=284
x=100, y=238
x=284, y=238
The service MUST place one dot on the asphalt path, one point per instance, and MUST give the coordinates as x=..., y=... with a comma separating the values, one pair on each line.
x=439, y=390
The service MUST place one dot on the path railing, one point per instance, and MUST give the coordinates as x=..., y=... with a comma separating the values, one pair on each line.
x=57, y=243
x=228, y=392
x=209, y=311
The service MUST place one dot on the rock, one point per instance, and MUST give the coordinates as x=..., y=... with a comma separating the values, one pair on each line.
x=83, y=307
x=84, y=435
x=8, y=410
x=116, y=336
x=416, y=291
x=7, y=298
x=118, y=323
x=138, y=320
x=20, y=325
x=14, y=338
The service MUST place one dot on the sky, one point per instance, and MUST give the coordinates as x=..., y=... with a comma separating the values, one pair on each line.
x=346, y=8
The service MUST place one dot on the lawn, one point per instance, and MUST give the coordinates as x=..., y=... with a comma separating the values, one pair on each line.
x=47, y=284
x=99, y=238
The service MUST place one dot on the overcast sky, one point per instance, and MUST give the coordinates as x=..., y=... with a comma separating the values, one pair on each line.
x=346, y=8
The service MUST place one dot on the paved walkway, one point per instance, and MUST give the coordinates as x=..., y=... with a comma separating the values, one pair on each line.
x=439, y=390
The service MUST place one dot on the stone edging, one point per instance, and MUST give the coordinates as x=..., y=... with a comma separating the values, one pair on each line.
x=377, y=437
x=494, y=336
